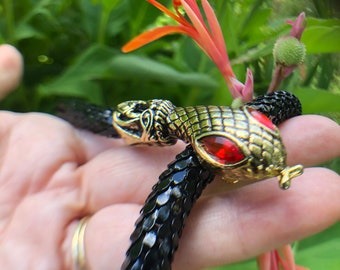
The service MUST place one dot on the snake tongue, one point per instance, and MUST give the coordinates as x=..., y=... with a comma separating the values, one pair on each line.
x=263, y=119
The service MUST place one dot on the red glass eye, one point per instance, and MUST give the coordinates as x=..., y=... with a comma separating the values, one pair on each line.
x=263, y=119
x=222, y=149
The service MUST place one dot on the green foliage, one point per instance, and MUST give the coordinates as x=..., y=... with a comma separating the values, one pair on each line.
x=324, y=255
x=72, y=49
x=322, y=36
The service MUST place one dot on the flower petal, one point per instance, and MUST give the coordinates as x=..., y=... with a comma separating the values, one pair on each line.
x=215, y=29
x=152, y=35
x=248, y=89
x=165, y=10
x=298, y=26
x=205, y=40
x=199, y=25
x=244, y=91
x=263, y=261
x=194, y=7
x=289, y=256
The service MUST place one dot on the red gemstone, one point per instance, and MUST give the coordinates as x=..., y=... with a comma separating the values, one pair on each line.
x=263, y=119
x=222, y=149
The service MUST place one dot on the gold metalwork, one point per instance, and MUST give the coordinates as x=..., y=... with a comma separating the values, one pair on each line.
x=144, y=122
x=159, y=122
x=287, y=174
x=264, y=152
x=78, y=245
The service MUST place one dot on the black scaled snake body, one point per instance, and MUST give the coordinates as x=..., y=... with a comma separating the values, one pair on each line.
x=241, y=145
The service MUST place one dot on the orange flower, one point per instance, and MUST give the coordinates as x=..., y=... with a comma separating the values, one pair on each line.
x=208, y=38
x=273, y=261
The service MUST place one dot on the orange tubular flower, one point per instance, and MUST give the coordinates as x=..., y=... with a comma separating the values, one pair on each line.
x=208, y=38
x=273, y=261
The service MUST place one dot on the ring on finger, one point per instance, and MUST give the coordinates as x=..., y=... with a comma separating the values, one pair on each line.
x=78, y=245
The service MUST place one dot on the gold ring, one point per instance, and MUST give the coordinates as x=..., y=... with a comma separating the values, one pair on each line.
x=78, y=245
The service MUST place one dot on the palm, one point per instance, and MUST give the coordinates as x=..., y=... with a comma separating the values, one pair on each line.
x=50, y=176
x=38, y=179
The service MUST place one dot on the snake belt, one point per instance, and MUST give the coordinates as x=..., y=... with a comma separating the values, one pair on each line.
x=239, y=144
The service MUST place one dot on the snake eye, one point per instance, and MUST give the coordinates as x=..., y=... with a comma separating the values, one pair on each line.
x=263, y=119
x=221, y=149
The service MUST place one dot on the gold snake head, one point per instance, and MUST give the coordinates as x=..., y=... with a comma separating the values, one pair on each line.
x=143, y=122
x=244, y=146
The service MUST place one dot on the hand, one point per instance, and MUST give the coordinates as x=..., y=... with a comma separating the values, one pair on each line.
x=11, y=66
x=52, y=174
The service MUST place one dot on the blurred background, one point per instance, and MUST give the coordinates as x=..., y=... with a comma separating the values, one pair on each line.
x=72, y=49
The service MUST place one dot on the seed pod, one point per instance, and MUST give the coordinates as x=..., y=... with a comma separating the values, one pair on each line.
x=289, y=51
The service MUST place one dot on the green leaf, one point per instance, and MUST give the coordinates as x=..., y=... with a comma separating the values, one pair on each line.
x=26, y=31
x=322, y=22
x=255, y=22
x=107, y=4
x=79, y=79
x=144, y=69
x=321, y=256
x=255, y=53
x=318, y=101
x=322, y=39
x=43, y=8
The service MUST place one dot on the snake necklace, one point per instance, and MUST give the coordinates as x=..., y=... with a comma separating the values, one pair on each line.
x=239, y=144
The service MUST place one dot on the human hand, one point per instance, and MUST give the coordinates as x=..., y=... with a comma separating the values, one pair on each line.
x=51, y=175
x=11, y=66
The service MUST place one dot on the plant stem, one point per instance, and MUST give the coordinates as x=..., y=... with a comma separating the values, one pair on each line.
x=276, y=80
x=102, y=26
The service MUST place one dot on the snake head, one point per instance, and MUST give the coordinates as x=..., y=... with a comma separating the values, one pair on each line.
x=143, y=122
x=244, y=146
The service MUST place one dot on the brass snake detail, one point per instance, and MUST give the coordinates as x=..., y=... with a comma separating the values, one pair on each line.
x=252, y=144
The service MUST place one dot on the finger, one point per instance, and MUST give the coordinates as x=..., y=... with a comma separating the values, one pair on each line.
x=11, y=66
x=127, y=174
x=33, y=136
x=228, y=228
x=107, y=236
x=34, y=230
x=29, y=125
x=258, y=218
x=46, y=152
x=124, y=174
x=311, y=139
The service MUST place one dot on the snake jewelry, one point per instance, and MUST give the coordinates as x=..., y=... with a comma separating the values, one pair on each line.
x=239, y=144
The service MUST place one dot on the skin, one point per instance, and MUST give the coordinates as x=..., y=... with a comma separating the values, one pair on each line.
x=51, y=175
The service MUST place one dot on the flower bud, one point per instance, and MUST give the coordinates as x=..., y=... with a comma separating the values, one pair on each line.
x=289, y=51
